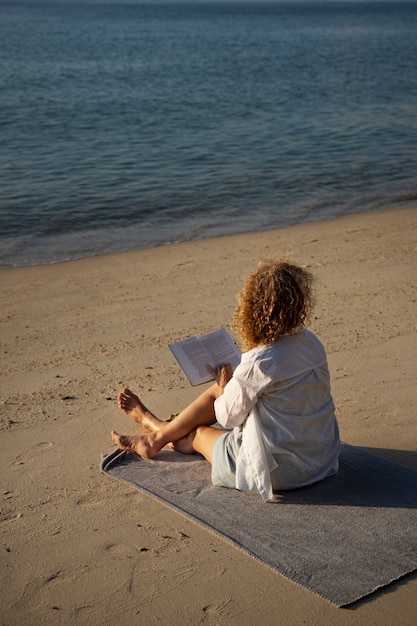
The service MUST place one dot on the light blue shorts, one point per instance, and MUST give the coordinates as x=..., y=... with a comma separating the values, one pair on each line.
x=223, y=469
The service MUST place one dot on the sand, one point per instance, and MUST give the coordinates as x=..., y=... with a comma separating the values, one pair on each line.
x=80, y=548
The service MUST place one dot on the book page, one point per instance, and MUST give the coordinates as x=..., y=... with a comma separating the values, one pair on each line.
x=193, y=358
x=221, y=348
x=194, y=354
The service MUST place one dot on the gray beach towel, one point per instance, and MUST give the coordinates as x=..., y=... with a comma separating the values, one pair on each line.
x=342, y=538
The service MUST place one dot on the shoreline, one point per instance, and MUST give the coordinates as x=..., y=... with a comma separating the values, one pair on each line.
x=80, y=548
x=282, y=225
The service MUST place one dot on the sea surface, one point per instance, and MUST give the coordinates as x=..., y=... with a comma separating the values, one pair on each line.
x=126, y=125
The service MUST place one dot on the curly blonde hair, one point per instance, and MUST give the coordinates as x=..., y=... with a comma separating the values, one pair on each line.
x=276, y=300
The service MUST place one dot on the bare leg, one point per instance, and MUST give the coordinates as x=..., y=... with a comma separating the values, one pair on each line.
x=199, y=413
x=201, y=440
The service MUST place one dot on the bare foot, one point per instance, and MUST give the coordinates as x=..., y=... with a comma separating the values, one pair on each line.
x=137, y=411
x=139, y=444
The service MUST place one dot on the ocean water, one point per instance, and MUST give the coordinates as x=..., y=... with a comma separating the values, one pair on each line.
x=130, y=125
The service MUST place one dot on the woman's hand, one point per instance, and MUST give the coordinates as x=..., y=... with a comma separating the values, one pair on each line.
x=221, y=374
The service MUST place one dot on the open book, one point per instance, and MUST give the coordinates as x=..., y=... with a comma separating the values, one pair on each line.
x=194, y=353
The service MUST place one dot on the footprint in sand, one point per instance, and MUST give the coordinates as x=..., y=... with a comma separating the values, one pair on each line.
x=18, y=463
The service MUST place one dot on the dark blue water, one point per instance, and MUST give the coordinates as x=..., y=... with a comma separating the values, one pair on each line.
x=125, y=126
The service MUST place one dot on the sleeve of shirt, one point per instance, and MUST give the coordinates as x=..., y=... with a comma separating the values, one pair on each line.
x=240, y=394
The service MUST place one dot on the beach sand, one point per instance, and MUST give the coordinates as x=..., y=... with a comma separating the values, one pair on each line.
x=80, y=548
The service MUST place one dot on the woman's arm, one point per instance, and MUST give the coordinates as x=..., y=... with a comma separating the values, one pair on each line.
x=240, y=394
x=221, y=374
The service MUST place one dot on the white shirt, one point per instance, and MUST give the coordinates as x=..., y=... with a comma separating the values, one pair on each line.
x=280, y=406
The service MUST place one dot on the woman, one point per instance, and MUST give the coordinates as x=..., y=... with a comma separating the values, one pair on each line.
x=277, y=406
